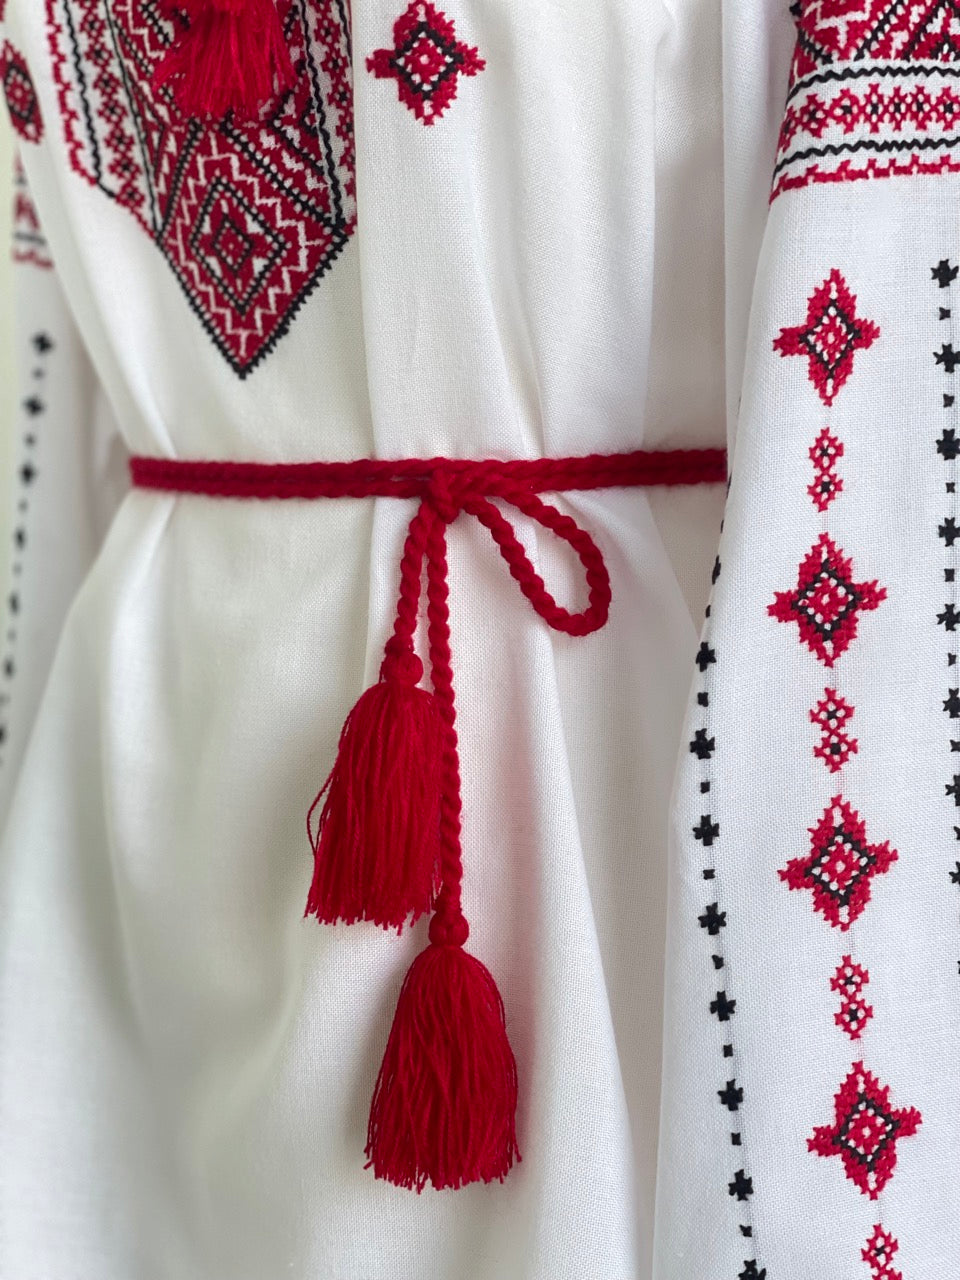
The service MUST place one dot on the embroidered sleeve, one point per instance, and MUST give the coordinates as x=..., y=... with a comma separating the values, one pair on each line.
x=65, y=469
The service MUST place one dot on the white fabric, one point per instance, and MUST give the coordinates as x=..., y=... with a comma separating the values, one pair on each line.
x=186, y=1064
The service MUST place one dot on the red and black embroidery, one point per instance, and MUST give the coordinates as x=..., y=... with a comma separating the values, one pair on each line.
x=720, y=1004
x=873, y=92
x=829, y=337
x=878, y=1253
x=825, y=452
x=20, y=94
x=826, y=603
x=840, y=865
x=854, y=1012
x=426, y=60
x=249, y=215
x=29, y=245
x=836, y=746
x=865, y=1131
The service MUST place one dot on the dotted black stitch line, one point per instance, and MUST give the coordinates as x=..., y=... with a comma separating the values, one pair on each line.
x=713, y=920
x=944, y=276
x=33, y=406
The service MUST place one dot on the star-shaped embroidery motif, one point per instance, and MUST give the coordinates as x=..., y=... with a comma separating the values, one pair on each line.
x=831, y=335
x=706, y=830
x=826, y=602
x=949, y=618
x=731, y=1095
x=943, y=273
x=426, y=61
x=951, y=704
x=713, y=919
x=702, y=746
x=947, y=357
x=741, y=1186
x=865, y=1131
x=948, y=446
x=840, y=865
x=723, y=1006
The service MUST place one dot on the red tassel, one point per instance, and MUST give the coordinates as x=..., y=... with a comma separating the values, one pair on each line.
x=445, y=1102
x=377, y=844
x=232, y=57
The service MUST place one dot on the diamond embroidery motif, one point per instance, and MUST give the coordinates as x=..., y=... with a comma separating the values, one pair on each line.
x=22, y=102
x=865, y=1131
x=840, y=865
x=824, y=452
x=831, y=714
x=826, y=602
x=878, y=1253
x=249, y=215
x=854, y=1012
x=830, y=336
x=426, y=61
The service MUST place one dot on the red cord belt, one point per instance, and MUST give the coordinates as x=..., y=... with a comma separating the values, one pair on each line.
x=387, y=844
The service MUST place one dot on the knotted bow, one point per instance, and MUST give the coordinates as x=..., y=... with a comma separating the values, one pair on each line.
x=387, y=845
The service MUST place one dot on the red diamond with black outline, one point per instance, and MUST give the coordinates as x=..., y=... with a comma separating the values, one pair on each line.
x=250, y=215
x=830, y=336
x=865, y=1131
x=840, y=865
x=21, y=96
x=426, y=61
x=826, y=602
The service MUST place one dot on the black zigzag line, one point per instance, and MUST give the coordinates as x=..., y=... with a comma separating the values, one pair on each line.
x=868, y=144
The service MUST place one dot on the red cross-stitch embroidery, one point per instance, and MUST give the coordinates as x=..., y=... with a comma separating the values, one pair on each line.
x=831, y=713
x=865, y=1131
x=854, y=1012
x=826, y=602
x=29, y=242
x=878, y=1252
x=426, y=61
x=21, y=96
x=823, y=453
x=829, y=337
x=840, y=865
x=249, y=215
x=832, y=31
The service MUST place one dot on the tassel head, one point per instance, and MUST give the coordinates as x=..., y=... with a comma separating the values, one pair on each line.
x=444, y=1107
x=376, y=848
x=231, y=57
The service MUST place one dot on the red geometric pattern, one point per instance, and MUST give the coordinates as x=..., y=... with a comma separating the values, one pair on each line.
x=826, y=602
x=426, y=61
x=248, y=214
x=29, y=242
x=901, y=109
x=840, y=865
x=829, y=337
x=17, y=85
x=832, y=31
x=854, y=1012
x=831, y=714
x=878, y=1252
x=824, y=452
x=865, y=1131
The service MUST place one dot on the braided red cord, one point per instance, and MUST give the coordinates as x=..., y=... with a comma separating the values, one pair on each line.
x=446, y=487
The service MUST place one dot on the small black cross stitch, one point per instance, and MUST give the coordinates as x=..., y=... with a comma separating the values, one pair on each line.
x=713, y=919
x=953, y=789
x=33, y=405
x=955, y=875
x=731, y=1095
x=735, y=1139
x=42, y=344
x=28, y=473
x=708, y=873
x=949, y=575
x=705, y=655
x=702, y=746
x=706, y=829
x=948, y=446
x=949, y=618
x=703, y=698
x=947, y=357
x=717, y=961
x=728, y=1050
x=944, y=313
x=750, y=1271
x=948, y=531
x=745, y=1230
x=705, y=786
x=723, y=1006
x=943, y=273
x=951, y=704
x=741, y=1186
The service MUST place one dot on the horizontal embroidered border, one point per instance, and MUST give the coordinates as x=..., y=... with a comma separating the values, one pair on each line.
x=896, y=122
